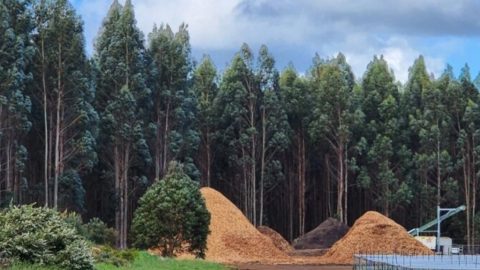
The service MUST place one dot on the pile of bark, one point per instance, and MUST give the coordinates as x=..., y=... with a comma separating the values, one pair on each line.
x=323, y=236
x=233, y=239
x=374, y=233
x=276, y=238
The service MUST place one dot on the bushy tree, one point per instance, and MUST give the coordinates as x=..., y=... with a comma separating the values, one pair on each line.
x=172, y=216
x=42, y=236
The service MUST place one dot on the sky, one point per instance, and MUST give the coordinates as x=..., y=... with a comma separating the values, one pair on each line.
x=443, y=31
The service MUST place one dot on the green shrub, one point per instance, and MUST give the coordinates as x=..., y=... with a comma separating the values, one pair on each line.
x=116, y=257
x=41, y=236
x=172, y=216
x=75, y=220
x=99, y=233
x=95, y=230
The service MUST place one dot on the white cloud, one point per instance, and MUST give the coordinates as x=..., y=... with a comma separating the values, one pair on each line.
x=210, y=22
x=359, y=29
x=400, y=55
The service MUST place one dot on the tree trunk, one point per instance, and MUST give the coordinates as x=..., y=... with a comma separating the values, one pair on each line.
x=262, y=163
x=340, y=182
x=158, y=143
x=345, y=218
x=438, y=172
x=8, y=169
x=57, y=129
x=245, y=184
x=165, y=139
x=253, y=162
x=125, y=197
x=254, y=187
x=290, y=208
x=466, y=184
x=474, y=188
x=209, y=165
x=118, y=195
x=46, y=157
x=51, y=140
x=301, y=183
x=329, y=181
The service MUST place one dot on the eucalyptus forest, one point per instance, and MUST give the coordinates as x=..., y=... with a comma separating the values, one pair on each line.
x=90, y=134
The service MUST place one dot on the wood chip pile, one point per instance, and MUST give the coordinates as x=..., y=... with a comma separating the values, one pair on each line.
x=323, y=236
x=276, y=238
x=233, y=239
x=374, y=233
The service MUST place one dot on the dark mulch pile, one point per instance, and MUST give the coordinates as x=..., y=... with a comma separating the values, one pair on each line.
x=323, y=236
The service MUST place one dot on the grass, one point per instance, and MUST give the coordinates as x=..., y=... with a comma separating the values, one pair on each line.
x=144, y=261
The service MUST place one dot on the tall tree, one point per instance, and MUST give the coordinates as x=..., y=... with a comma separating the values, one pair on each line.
x=122, y=100
x=333, y=82
x=238, y=112
x=206, y=89
x=274, y=127
x=462, y=100
x=412, y=106
x=298, y=103
x=381, y=169
x=66, y=93
x=174, y=106
x=16, y=51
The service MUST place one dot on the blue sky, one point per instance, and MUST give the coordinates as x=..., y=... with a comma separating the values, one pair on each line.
x=444, y=31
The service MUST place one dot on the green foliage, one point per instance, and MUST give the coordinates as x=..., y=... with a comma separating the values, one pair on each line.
x=382, y=153
x=400, y=148
x=174, y=103
x=172, y=216
x=63, y=94
x=95, y=230
x=40, y=235
x=123, y=101
x=16, y=52
x=252, y=126
x=205, y=88
x=476, y=82
x=111, y=256
x=99, y=233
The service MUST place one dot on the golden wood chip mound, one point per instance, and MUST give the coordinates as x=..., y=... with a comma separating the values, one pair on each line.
x=276, y=238
x=233, y=239
x=374, y=233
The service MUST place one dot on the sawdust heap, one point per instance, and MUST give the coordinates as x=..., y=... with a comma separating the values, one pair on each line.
x=372, y=233
x=233, y=239
x=323, y=236
x=276, y=238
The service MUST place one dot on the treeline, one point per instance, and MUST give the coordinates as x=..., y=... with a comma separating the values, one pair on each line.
x=91, y=134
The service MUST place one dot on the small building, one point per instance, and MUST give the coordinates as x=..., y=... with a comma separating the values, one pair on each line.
x=431, y=242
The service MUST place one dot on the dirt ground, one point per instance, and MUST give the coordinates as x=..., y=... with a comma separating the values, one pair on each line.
x=292, y=267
